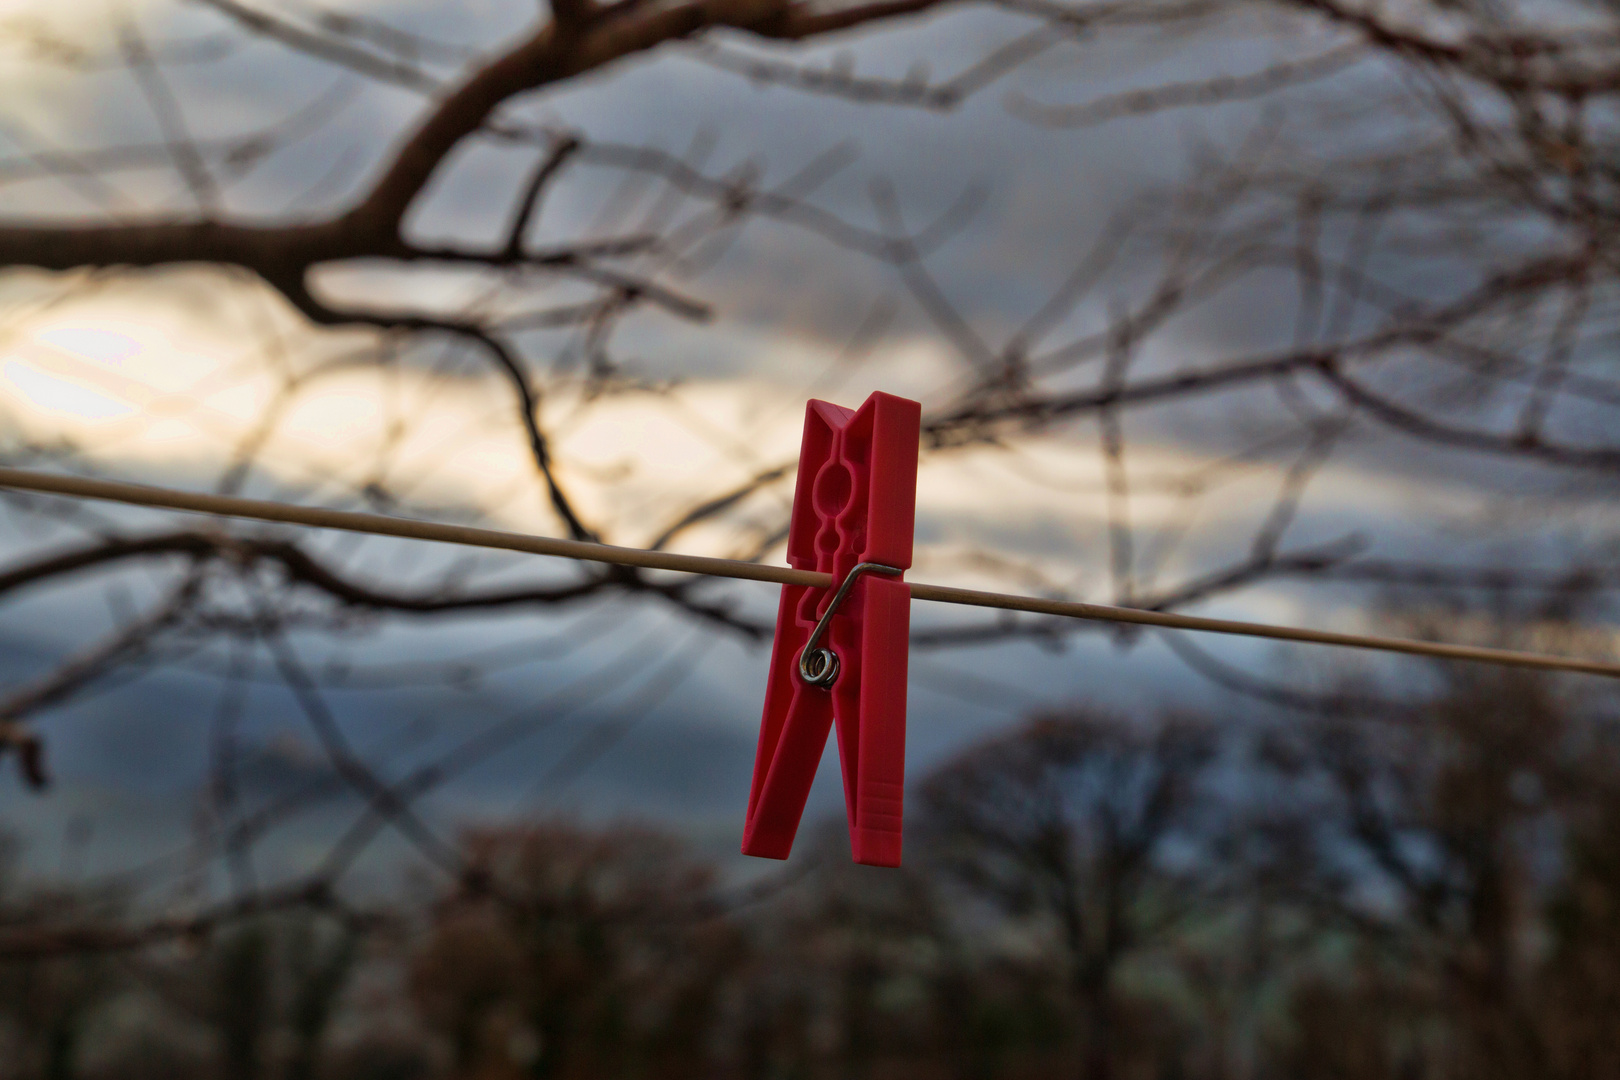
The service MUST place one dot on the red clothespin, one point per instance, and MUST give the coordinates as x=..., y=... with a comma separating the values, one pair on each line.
x=840, y=654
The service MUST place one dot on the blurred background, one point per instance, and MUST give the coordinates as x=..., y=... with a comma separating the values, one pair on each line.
x=1298, y=311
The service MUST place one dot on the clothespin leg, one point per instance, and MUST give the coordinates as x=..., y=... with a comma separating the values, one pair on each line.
x=875, y=825
x=791, y=740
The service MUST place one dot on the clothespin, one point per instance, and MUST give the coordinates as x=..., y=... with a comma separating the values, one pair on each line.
x=840, y=653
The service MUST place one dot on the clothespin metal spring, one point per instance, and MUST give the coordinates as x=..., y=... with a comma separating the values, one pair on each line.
x=819, y=666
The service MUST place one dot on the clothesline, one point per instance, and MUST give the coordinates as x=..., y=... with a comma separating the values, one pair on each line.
x=382, y=525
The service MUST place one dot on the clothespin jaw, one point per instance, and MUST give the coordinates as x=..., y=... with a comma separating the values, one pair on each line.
x=855, y=504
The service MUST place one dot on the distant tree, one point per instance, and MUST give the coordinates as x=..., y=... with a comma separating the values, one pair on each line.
x=853, y=972
x=1579, y=992
x=1455, y=852
x=579, y=953
x=1079, y=831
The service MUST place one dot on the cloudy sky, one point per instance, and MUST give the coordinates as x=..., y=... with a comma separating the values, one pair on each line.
x=623, y=708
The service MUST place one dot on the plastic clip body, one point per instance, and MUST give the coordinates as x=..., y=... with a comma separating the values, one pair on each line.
x=854, y=510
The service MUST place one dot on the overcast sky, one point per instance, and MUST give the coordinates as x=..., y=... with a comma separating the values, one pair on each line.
x=158, y=376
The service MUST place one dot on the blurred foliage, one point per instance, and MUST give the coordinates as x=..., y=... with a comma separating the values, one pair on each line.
x=1429, y=891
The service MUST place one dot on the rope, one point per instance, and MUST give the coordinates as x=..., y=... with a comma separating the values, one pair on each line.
x=382, y=525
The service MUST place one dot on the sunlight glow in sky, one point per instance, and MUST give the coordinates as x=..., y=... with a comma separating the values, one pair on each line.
x=62, y=396
x=151, y=391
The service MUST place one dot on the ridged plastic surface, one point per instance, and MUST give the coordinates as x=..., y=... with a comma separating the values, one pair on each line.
x=856, y=501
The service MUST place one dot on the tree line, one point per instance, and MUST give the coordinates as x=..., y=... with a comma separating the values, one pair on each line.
x=1425, y=890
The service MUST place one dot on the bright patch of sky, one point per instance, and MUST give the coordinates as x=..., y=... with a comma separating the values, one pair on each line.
x=170, y=376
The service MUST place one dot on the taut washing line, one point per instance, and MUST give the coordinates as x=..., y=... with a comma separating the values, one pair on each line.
x=469, y=536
